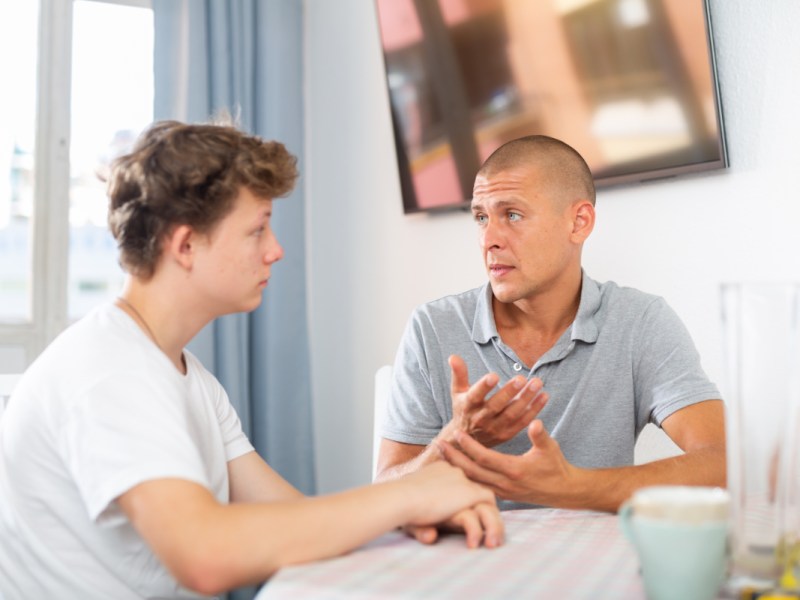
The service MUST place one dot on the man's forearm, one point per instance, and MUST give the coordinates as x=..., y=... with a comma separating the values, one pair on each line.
x=607, y=489
x=427, y=456
x=404, y=465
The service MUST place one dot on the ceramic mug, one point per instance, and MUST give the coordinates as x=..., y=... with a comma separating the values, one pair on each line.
x=681, y=537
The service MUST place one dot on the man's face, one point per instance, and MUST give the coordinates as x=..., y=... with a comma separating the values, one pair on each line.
x=234, y=261
x=525, y=233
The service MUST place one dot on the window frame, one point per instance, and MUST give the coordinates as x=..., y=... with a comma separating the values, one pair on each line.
x=50, y=224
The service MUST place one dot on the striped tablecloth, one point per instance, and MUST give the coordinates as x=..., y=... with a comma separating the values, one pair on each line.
x=548, y=553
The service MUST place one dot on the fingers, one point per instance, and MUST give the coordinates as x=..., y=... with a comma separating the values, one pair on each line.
x=459, y=378
x=538, y=435
x=479, y=454
x=526, y=393
x=492, y=524
x=425, y=534
x=476, y=394
x=469, y=522
x=459, y=381
x=518, y=400
x=534, y=407
x=505, y=395
x=481, y=524
x=469, y=460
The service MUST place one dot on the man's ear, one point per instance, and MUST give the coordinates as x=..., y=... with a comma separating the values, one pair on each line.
x=582, y=220
x=181, y=245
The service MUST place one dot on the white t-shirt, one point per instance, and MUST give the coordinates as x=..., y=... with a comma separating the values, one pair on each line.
x=100, y=411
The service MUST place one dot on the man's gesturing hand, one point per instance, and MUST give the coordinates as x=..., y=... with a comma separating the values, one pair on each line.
x=496, y=419
x=540, y=476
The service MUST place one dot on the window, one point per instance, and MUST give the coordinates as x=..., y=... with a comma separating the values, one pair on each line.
x=112, y=102
x=82, y=72
x=18, y=57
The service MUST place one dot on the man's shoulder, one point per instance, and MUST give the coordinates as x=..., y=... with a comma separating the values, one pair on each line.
x=446, y=306
x=618, y=297
x=450, y=318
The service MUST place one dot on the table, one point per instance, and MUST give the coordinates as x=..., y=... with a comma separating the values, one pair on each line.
x=548, y=553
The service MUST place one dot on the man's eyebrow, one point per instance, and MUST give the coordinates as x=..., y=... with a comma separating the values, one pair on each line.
x=497, y=204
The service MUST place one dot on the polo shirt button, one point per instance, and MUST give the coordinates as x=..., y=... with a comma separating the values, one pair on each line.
x=517, y=367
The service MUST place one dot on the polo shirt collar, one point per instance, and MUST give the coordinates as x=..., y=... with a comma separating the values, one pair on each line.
x=584, y=327
x=483, y=326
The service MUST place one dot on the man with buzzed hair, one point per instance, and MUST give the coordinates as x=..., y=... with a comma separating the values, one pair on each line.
x=559, y=163
x=611, y=359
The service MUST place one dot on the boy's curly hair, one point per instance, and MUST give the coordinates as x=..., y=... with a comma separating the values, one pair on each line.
x=182, y=174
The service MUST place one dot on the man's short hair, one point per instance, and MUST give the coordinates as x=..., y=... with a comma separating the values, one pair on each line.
x=554, y=159
x=182, y=174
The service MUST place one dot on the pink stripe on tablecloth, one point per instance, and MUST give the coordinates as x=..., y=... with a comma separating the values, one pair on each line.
x=547, y=554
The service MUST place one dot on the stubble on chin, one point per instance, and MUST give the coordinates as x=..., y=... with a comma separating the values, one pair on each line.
x=502, y=293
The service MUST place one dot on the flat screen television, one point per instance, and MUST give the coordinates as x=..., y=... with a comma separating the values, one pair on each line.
x=630, y=84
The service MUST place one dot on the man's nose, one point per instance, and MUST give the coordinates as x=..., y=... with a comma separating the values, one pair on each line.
x=491, y=235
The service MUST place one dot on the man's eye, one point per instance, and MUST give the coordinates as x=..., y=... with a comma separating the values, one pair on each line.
x=512, y=216
x=480, y=219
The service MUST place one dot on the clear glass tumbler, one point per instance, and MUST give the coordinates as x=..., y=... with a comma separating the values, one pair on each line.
x=761, y=330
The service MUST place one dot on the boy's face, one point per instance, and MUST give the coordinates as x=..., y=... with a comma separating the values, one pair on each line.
x=233, y=262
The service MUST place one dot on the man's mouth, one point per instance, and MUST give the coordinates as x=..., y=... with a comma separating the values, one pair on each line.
x=498, y=270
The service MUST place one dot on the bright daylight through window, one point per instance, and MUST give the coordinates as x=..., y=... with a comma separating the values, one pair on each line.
x=112, y=101
x=18, y=58
x=110, y=94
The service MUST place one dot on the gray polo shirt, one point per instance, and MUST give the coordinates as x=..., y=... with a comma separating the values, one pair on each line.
x=626, y=360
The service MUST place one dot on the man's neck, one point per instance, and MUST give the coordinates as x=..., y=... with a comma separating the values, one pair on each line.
x=531, y=326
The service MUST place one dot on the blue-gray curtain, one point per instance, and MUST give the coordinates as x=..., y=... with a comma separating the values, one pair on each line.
x=246, y=56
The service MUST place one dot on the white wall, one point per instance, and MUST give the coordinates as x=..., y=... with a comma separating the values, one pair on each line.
x=370, y=264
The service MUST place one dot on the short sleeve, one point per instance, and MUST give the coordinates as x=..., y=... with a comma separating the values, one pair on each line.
x=411, y=413
x=668, y=371
x=124, y=430
x=204, y=384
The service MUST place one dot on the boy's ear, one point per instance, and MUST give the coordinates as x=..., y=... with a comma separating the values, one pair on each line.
x=181, y=245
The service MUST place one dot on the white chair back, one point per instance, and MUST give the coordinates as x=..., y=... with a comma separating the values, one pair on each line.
x=654, y=444
x=7, y=384
x=383, y=379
